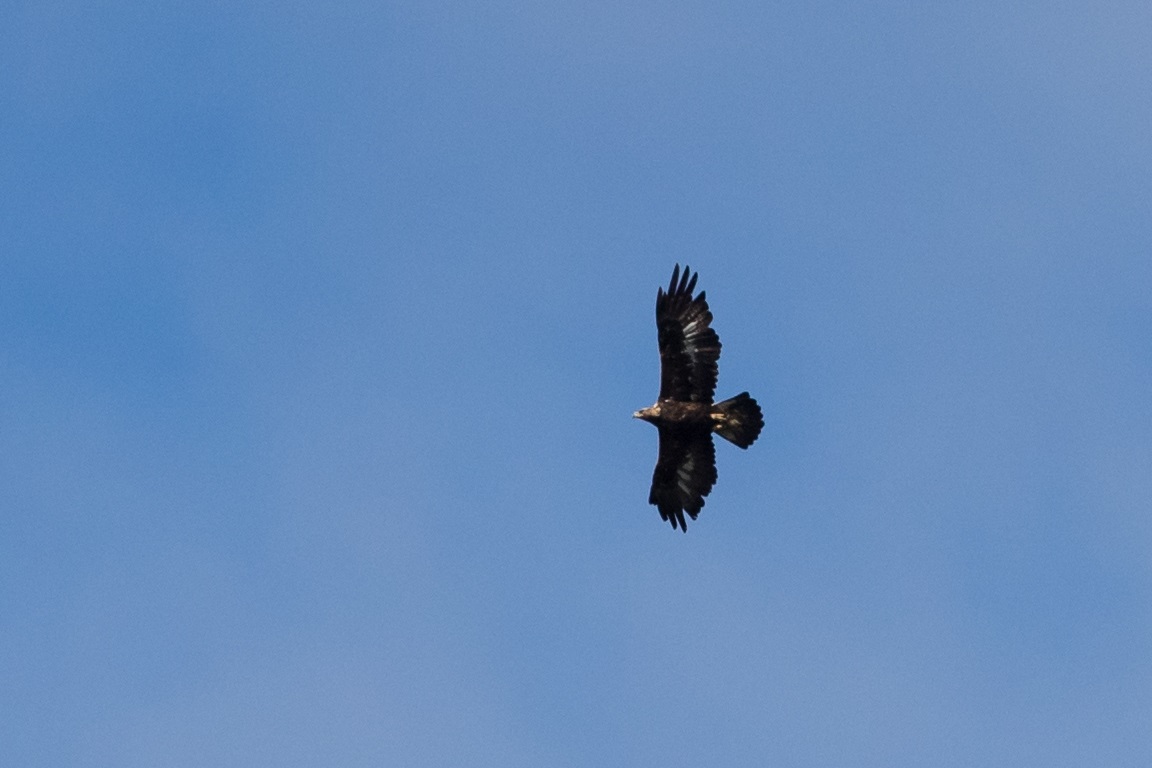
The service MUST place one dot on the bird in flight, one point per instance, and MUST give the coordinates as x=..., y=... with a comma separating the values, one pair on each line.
x=684, y=413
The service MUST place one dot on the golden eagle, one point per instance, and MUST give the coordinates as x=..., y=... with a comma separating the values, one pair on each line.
x=684, y=413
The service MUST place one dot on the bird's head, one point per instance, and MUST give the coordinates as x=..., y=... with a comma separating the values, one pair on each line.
x=651, y=413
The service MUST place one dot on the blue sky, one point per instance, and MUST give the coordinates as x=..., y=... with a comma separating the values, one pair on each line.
x=324, y=324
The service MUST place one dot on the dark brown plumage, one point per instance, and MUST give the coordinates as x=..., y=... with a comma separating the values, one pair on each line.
x=684, y=413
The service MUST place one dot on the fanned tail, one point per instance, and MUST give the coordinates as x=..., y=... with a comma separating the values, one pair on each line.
x=738, y=420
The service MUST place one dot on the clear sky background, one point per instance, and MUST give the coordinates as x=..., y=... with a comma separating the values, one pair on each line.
x=323, y=324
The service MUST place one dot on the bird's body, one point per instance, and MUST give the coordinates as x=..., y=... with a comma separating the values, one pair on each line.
x=675, y=414
x=684, y=413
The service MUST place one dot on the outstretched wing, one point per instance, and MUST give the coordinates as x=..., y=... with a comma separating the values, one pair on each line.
x=689, y=348
x=685, y=473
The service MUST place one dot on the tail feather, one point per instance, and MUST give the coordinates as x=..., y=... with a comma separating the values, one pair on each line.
x=738, y=420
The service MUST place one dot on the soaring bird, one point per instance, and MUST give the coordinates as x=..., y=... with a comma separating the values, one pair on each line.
x=684, y=413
